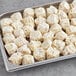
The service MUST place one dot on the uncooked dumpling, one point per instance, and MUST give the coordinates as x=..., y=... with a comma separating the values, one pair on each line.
x=40, y=12
x=28, y=59
x=16, y=58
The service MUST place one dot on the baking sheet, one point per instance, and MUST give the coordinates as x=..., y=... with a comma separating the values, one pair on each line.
x=11, y=67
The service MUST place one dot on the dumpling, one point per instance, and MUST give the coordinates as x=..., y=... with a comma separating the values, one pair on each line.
x=46, y=44
x=52, y=19
x=24, y=50
x=29, y=20
x=61, y=35
x=19, y=32
x=62, y=15
x=11, y=48
x=9, y=37
x=49, y=35
x=7, y=29
x=73, y=21
x=71, y=30
x=64, y=23
x=39, y=54
x=16, y=16
x=59, y=44
x=16, y=58
x=72, y=13
x=64, y=6
x=40, y=12
x=43, y=28
x=51, y=10
x=27, y=30
x=52, y=53
x=5, y=22
x=69, y=49
x=70, y=38
x=17, y=25
x=28, y=59
x=35, y=35
x=28, y=12
x=34, y=44
x=55, y=28
x=19, y=41
x=39, y=20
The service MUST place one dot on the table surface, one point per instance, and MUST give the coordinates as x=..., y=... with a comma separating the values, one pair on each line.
x=62, y=68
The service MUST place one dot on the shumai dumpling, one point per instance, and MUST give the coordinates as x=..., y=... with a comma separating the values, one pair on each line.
x=16, y=58
x=28, y=59
x=55, y=28
x=52, y=53
x=40, y=12
x=72, y=13
x=39, y=54
x=61, y=35
x=43, y=28
x=28, y=12
x=35, y=35
x=17, y=25
x=7, y=29
x=16, y=16
x=24, y=50
x=19, y=32
x=69, y=49
x=9, y=37
x=70, y=38
x=11, y=48
x=64, y=23
x=73, y=21
x=49, y=35
x=52, y=19
x=71, y=30
x=64, y=6
x=29, y=20
x=27, y=30
x=5, y=22
x=46, y=44
x=19, y=41
x=51, y=10
x=59, y=44
x=62, y=15
x=34, y=44
x=39, y=20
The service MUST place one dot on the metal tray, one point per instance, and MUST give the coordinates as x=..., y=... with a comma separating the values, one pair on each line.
x=11, y=67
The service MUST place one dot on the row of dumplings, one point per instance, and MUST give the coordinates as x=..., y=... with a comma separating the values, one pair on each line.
x=40, y=33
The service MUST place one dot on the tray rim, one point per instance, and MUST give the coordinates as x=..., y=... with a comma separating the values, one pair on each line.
x=11, y=67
